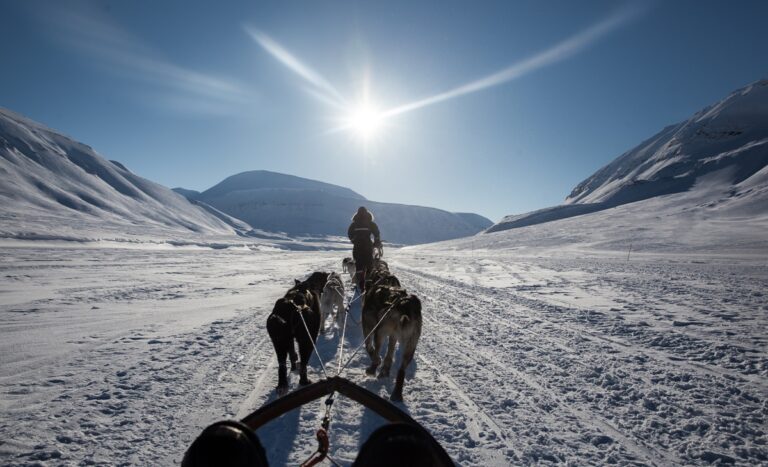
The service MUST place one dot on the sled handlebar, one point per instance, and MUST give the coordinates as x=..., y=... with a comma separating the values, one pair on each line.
x=322, y=388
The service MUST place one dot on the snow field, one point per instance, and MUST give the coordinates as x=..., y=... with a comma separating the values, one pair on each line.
x=122, y=357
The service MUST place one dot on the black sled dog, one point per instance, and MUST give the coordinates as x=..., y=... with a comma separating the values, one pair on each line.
x=285, y=325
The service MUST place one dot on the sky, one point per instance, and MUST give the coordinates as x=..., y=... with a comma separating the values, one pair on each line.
x=489, y=107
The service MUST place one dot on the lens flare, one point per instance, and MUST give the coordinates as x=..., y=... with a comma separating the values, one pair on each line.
x=365, y=120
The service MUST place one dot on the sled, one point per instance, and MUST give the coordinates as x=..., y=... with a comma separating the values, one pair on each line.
x=328, y=387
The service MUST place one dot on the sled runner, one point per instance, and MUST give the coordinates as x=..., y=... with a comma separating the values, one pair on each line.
x=236, y=444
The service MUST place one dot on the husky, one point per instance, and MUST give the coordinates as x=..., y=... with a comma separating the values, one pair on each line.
x=348, y=266
x=332, y=298
x=315, y=282
x=380, y=275
x=400, y=316
x=296, y=317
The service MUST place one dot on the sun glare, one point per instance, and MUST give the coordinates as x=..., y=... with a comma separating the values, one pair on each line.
x=365, y=120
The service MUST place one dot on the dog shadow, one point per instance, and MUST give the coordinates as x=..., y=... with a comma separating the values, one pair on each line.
x=383, y=387
x=279, y=435
x=370, y=420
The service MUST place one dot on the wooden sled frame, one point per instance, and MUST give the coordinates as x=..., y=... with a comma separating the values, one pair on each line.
x=343, y=386
x=322, y=388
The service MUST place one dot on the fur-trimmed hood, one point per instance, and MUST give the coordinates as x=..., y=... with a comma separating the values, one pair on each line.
x=362, y=215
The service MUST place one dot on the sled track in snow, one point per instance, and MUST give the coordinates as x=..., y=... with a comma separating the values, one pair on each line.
x=539, y=306
x=658, y=296
x=585, y=417
x=566, y=352
x=458, y=294
x=481, y=413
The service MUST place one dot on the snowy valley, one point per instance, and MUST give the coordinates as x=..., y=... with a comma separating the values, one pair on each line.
x=627, y=326
x=54, y=188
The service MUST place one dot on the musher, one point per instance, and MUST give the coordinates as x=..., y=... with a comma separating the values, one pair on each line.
x=360, y=232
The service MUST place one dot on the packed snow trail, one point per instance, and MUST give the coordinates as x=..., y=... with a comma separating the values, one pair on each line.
x=655, y=385
x=122, y=357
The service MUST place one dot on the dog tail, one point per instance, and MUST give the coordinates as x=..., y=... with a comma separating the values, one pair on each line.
x=410, y=308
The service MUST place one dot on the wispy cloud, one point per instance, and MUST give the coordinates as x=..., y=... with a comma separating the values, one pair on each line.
x=320, y=87
x=115, y=48
x=559, y=52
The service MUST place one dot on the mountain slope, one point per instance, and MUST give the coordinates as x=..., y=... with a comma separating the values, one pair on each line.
x=266, y=180
x=476, y=220
x=731, y=133
x=710, y=219
x=189, y=194
x=730, y=138
x=54, y=187
x=298, y=206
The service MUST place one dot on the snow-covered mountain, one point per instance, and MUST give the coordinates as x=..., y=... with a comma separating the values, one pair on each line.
x=189, y=194
x=298, y=206
x=54, y=187
x=479, y=222
x=729, y=138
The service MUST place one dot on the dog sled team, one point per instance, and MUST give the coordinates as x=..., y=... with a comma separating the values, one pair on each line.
x=389, y=313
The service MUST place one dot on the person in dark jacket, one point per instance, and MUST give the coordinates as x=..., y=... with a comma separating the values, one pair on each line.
x=360, y=232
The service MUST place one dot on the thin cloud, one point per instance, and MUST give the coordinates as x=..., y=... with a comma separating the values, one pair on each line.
x=115, y=48
x=323, y=89
x=554, y=54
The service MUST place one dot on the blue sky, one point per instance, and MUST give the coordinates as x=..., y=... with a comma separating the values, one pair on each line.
x=538, y=95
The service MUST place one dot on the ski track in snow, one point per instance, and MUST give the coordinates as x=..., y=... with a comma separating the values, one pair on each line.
x=118, y=357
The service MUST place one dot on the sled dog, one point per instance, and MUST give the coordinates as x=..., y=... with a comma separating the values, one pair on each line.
x=296, y=317
x=332, y=298
x=400, y=316
x=348, y=266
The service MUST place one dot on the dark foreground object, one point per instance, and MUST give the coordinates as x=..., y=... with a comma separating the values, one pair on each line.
x=227, y=443
x=403, y=442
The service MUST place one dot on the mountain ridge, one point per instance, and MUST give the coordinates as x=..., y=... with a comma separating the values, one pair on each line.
x=53, y=183
x=265, y=179
x=298, y=206
x=730, y=135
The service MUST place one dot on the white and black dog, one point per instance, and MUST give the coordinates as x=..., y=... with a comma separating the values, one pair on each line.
x=332, y=297
x=398, y=317
x=348, y=266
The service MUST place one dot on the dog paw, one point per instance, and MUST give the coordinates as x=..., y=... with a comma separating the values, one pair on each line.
x=370, y=370
x=396, y=397
x=305, y=382
x=282, y=390
x=384, y=374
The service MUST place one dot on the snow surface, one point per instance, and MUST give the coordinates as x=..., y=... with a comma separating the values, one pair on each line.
x=122, y=356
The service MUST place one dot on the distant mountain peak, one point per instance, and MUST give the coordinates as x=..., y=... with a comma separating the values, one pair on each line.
x=299, y=207
x=266, y=180
x=670, y=162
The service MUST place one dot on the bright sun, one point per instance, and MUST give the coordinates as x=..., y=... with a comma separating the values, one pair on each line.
x=365, y=120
